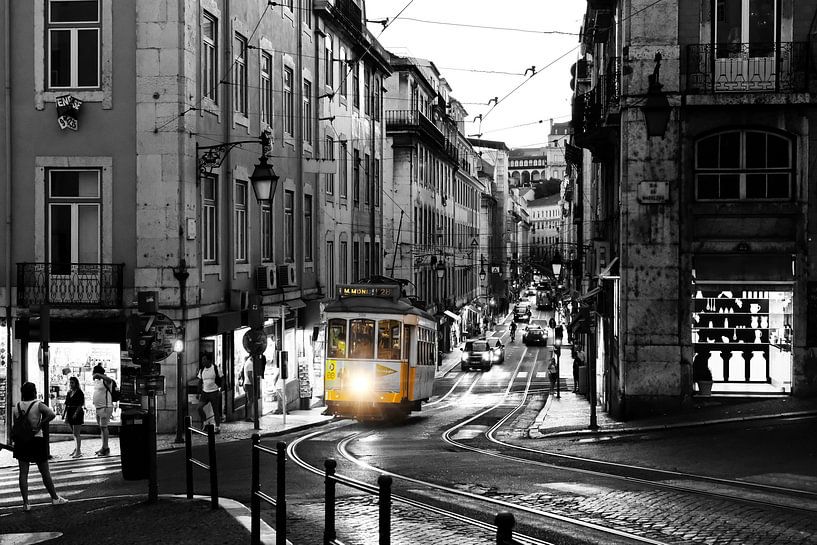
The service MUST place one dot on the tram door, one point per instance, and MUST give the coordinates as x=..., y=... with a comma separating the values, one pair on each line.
x=409, y=356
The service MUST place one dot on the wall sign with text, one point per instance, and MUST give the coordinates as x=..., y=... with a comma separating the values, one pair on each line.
x=653, y=192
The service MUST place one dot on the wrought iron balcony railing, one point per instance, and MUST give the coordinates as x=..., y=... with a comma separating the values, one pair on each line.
x=780, y=67
x=70, y=285
x=414, y=120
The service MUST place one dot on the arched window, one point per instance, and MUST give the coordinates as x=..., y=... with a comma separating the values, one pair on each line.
x=744, y=165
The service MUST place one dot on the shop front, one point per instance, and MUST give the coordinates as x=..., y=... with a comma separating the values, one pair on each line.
x=5, y=394
x=742, y=327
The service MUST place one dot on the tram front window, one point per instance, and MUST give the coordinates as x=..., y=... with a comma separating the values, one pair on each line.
x=388, y=340
x=337, y=338
x=361, y=339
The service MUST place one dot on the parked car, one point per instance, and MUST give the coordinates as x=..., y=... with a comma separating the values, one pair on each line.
x=479, y=354
x=535, y=334
x=521, y=313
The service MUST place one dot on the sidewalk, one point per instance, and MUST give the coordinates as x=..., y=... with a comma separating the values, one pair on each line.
x=570, y=415
x=62, y=444
x=121, y=521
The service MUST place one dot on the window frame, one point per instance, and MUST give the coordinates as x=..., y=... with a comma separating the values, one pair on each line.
x=265, y=91
x=330, y=267
x=742, y=170
x=241, y=221
x=240, y=75
x=287, y=97
x=329, y=62
x=329, y=154
x=343, y=169
x=74, y=203
x=209, y=51
x=343, y=256
x=209, y=221
x=308, y=231
x=267, y=234
x=73, y=28
x=306, y=111
x=356, y=177
x=289, y=226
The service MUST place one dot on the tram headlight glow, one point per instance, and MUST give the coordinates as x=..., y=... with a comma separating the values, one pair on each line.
x=361, y=384
x=465, y=356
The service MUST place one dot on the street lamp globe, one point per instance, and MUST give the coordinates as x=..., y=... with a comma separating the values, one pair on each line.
x=264, y=181
x=482, y=275
x=440, y=269
x=557, y=343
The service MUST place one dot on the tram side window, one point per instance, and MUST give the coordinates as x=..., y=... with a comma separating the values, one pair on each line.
x=388, y=340
x=407, y=332
x=337, y=338
x=361, y=339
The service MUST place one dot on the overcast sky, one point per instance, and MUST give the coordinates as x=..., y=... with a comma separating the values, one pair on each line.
x=459, y=52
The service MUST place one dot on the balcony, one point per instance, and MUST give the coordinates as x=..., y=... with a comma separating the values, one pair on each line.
x=70, y=285
x=345, y=12
x=748, y=67
x=416, y=122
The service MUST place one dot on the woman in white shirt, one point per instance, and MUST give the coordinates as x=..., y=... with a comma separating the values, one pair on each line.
x=209, y=389
x=34, y=449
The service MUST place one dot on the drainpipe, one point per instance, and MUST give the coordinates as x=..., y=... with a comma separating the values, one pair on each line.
x=7, y=152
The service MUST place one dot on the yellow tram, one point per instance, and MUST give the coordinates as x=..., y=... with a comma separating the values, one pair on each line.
x=380, y=356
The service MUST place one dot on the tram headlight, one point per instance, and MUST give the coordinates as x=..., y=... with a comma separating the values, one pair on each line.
x=464, y=356
x=486, y=355
x=361, y=384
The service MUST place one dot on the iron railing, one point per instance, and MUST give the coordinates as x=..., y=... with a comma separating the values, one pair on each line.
x=780, y=67
x=92, y=285
x=189, y=461
x=280, y=499
x=414, y=120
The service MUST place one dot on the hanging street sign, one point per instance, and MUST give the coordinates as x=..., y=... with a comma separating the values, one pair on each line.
x=255, y=342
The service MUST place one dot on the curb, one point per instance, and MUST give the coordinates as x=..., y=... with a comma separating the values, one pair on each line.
x=665, y=427
x=240, y=512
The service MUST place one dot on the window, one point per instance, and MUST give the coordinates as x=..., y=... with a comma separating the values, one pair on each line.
x=344, y=262
x=307, y=227
x=367, y=263
x=388, y=340
x=307, y=111
x=209, y=220
x=209, y=57
x=289, y=119
x=266, y=88
x=73, y=44
x=367, y=89
x=367, y=180
x=330, y=267
x=356, y=177
x=344, y=81
x=289, y=225
x=240, y=222
x=378, y=256
x=240, y=74
x=355, y=85
x=361, y=339
x=328, y=62
x=336, y=338
x=266, y=233
x=343, y=169
x=306, y=12
x=73, y=218
x=377, y=182
x=738, y=165
x=355, y=261
x=376, y=99
x=329, y=154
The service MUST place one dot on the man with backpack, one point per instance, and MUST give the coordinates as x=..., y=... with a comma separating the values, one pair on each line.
x=104, y=392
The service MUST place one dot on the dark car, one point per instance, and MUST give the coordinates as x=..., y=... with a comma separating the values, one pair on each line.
x=521, y=313
x=535, y=334
x=480, y=354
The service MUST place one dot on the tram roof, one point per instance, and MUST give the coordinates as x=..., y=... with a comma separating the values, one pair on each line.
x=379, y=305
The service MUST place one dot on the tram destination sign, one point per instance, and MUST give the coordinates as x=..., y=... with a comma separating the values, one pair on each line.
x=373, y=290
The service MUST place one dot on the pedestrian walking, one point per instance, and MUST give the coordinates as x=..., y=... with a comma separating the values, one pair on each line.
x=103, y=403
x=552, y=323
x=75, y=413
x=31, y=416
x=553, y=373
x=279, y=384
x=578, y=361
x=248, y=383
x=210, y=380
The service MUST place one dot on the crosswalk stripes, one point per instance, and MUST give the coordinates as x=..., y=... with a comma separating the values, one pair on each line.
x=70, y=477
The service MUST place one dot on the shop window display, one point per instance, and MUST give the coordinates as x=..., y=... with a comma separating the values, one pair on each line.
x=77, y=360
x=744, y=334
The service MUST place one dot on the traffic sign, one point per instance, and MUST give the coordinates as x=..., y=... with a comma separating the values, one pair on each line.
x=151, y=337
x=474, y=242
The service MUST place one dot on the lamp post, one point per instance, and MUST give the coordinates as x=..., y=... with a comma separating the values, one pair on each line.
x=656, y=108
x=557, y=348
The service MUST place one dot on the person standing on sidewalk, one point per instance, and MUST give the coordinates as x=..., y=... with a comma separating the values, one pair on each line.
x=75, y=413
x=248, y=383
x=34, y=449
x=104, y=406
x=209, y=390
x=553, y=373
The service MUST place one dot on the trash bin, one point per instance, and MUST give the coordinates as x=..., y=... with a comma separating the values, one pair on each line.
x=133, y=444
x=583, y=380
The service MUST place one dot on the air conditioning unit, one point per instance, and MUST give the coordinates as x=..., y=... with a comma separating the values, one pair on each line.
x=266, y=278
x=239, y=300
x=287, y=276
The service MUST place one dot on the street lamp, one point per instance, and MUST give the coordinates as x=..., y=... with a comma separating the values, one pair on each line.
x=556, y=265
x=557, y=348
x=656, y=108
x=482, y=275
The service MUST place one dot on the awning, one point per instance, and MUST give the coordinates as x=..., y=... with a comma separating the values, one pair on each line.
x=295, y=304
x=611, y=271
x=217, y=323
x=452, y=316
x=582, y=322
x=589, y=295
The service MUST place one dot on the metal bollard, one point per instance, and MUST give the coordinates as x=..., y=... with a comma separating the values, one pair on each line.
x=281, y=495
x=188, y=454
x=255, y=487
x=211, y=450
x=329, y=517
x=504, y=528
x=384, y=506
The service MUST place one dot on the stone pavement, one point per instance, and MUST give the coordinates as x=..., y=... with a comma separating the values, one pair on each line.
x=121, y=520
